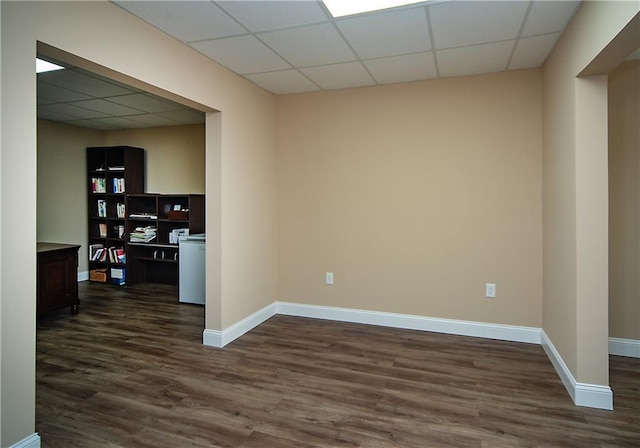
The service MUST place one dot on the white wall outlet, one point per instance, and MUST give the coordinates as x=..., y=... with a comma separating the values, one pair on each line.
x=490, y=290
x=328, y=278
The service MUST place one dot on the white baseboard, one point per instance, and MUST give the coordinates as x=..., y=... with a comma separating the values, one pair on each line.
x=412, y=322
x=83, y=276
x=219, y=339
x=32, y=441
x=502, y=332
x=624, y=347
x=582, y=394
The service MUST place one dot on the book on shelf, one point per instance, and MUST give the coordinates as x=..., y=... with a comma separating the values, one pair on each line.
x=118, y=185
x=143, y=234
x=120, y=210
x=116, y=255
x=117, y=276
x=102, y=208
x=103, y=230
x=98, y=185
x=175, y=234
x=143, y=215
x=94, y=251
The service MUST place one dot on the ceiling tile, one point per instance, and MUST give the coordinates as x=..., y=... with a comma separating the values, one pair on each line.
x=456, y=24
x=242, y=54
x=339, y=76
x=310, y=45
x=144, y=102
x=71, y=110
x=119, y=123
x=270, y=15
x=93, y=125
x=184, y=116
x=106, y=107
x=287, y=81
x=153, y=120
x=188, y=21
x=56, y=93
x=549, y=17
x=387, y=34
x=405, y=68
x=473, y=60
x=82, y=83
x=53, y=115
x=532, y=52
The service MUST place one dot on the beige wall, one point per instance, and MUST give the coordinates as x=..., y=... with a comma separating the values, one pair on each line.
x=242, y=187
x=174, y=157
x=624, y=201
x=575, y=206
x=414, y=196
x=61, y=184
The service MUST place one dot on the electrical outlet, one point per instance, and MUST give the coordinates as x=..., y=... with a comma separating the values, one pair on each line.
x=490, y=290
x=328, y=278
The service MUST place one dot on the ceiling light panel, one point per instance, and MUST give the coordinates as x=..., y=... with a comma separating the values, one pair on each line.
x=270, y=15
x=456, y=24
x=309, y=45
x=387, y=34
x=340, y=8
x=188, y=21
x=43, y=66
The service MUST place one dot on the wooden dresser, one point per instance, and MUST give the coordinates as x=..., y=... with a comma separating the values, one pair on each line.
x=57, y=277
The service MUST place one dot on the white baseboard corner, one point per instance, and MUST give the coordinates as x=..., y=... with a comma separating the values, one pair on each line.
x=215, y=338
x=412, y=322
x=32, y=441
x=624, y=347
x=582, y=394
x=83, y=276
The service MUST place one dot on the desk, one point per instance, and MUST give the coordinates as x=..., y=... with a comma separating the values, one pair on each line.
x=57, y=277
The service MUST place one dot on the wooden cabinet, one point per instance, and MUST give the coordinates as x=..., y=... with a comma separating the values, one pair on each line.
x=112, y=172
x=57, y=274
x=154, y=222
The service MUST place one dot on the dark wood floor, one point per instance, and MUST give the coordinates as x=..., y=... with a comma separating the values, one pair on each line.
x=131, y=371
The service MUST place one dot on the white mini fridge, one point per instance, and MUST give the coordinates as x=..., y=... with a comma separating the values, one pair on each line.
x=191, y=260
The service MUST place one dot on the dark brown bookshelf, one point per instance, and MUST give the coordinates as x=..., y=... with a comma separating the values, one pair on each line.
x=157, y=260
x=112, y=172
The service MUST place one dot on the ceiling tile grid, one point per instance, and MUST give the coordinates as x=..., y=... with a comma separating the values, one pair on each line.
x=296, y=46
x=292, y=46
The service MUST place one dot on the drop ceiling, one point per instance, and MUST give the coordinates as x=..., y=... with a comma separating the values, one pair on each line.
x=82, y=98
x=294, y=46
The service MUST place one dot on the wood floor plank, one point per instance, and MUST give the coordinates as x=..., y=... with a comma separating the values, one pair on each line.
x=130, y=371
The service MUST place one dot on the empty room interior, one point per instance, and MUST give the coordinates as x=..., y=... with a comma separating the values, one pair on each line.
x=387, y=197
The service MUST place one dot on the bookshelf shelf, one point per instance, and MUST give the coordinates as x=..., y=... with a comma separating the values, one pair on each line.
x=157, y=260
x=112, y=172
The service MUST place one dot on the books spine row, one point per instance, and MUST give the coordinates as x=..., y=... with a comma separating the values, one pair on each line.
x=98, y=185
x=102, y=208
x=118, y=185
x=120, y=210
x=114, y=255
